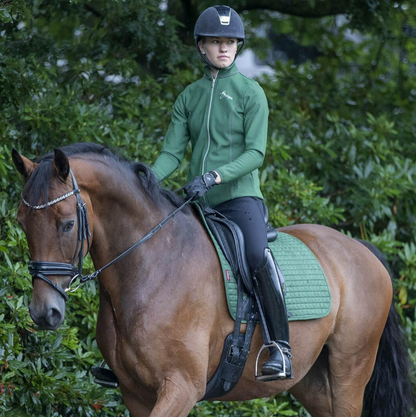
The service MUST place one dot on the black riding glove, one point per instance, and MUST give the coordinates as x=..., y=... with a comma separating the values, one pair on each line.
x=200, y=185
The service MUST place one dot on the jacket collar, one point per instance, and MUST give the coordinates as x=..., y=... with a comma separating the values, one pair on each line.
x=222, y=73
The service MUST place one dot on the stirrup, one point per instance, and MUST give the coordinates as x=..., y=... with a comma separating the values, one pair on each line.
x=271, y=377
x=104, y=377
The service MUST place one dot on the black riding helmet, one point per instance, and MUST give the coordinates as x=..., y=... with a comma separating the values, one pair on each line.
x=219, y=21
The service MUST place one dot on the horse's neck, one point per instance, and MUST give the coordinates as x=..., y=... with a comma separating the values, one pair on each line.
x=122, y=216
x=158, y=279
x=120, y=222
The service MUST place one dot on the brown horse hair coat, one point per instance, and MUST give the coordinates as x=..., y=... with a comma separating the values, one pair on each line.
x=163, y=316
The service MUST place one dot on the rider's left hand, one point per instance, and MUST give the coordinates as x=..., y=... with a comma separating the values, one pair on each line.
x=200, y=185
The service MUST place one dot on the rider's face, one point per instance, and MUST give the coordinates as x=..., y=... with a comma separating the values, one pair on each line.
x=219, y=51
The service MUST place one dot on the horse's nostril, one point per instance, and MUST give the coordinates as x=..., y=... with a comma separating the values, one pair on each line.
x=54, y=317
x=47, y=318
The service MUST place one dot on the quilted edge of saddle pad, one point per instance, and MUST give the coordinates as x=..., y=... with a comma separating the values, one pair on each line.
x=307, y=297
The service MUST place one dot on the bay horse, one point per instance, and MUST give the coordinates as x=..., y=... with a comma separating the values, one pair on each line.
x=163, y=315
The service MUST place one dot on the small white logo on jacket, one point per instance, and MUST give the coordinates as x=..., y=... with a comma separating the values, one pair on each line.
x=224, y=94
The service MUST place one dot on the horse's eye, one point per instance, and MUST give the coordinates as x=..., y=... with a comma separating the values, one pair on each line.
x=69, y=226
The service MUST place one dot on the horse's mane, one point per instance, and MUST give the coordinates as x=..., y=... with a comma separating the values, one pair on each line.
x=37, y=186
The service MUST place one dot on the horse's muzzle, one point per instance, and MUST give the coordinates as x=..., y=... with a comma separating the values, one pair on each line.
x=47, y=318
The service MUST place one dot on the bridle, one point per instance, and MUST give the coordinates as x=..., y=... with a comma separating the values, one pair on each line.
x=41, y=269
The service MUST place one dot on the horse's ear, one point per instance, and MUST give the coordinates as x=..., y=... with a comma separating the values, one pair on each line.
x=24, y=165
x=61, y=164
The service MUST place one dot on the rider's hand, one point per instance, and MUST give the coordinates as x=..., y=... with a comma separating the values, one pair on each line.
x=200, y=185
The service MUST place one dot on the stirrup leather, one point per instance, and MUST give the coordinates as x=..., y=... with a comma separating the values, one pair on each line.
x=279, y=375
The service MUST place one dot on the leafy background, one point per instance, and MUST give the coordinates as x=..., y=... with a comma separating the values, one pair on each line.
x=341, y=151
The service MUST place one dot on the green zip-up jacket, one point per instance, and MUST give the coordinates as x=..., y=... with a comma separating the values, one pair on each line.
x=226, y=120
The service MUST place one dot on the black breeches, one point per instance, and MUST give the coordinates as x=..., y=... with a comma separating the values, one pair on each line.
x=248, y=214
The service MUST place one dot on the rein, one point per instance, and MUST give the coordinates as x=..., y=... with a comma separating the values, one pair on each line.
x=151, y=233
x=41, y=269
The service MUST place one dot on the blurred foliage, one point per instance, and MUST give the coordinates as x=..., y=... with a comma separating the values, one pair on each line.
x=262, y=407
x=341, y=153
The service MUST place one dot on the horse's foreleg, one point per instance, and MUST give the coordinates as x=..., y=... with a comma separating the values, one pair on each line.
x=134, y=404
x=176, y=397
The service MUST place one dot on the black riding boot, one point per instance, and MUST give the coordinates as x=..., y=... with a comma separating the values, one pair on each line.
x=273, y=305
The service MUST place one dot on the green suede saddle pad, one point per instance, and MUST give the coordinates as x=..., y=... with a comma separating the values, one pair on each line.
x=307, y=294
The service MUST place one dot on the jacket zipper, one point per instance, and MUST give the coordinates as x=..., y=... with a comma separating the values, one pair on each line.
x=209, y=136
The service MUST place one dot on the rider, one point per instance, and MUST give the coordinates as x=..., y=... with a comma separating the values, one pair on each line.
x=225, y=116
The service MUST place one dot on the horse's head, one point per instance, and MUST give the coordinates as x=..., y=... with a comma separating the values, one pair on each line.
x=53, y=217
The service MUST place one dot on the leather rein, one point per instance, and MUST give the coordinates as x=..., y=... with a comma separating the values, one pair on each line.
x=42, y=269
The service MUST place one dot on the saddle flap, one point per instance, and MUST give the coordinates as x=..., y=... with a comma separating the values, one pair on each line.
x=231, y=240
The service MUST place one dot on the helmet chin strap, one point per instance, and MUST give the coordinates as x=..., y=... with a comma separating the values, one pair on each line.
x=208, y=62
